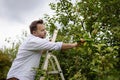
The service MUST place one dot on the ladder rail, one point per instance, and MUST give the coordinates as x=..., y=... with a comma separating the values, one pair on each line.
x=48, y=58
x=58, y=66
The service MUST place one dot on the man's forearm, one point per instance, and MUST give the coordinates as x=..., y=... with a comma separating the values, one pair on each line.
x=68, y=45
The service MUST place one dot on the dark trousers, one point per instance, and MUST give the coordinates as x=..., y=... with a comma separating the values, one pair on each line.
x=13, y=78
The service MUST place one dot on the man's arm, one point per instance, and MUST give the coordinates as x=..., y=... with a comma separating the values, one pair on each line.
x=68, y=45
x=72, y=45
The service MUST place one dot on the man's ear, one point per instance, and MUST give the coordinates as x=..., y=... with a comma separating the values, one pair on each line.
x=34, y=32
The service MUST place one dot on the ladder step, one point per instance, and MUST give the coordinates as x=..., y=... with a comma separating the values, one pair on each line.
x=54, y=72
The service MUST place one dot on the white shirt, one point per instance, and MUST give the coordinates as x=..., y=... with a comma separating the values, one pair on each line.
x=28, y=57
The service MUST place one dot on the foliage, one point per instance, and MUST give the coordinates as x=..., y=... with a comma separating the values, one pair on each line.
x=7, y=55
x=89, y=19
x=4, y=64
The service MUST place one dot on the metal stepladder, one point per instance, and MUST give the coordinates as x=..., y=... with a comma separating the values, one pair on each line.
x=50, y=58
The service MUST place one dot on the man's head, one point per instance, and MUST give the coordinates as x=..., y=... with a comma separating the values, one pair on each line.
x=37, y=28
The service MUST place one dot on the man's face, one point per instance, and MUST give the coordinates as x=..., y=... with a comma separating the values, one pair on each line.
x=41, y=31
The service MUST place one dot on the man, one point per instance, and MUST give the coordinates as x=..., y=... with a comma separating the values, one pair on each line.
x=30, y=51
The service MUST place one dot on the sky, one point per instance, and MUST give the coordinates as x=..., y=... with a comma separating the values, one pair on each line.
x=16, y=16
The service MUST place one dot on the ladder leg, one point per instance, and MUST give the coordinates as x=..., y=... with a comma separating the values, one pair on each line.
x=45, y=65
x=58, y=66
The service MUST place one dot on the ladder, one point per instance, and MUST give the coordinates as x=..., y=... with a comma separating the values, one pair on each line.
x=50, y=58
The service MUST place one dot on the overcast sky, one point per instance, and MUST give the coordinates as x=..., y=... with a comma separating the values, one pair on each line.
x=16, y=15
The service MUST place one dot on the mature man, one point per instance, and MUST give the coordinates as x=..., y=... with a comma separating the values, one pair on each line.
x=30, y=51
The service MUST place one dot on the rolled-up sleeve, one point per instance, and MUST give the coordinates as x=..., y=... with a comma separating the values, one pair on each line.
x=42, y=44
